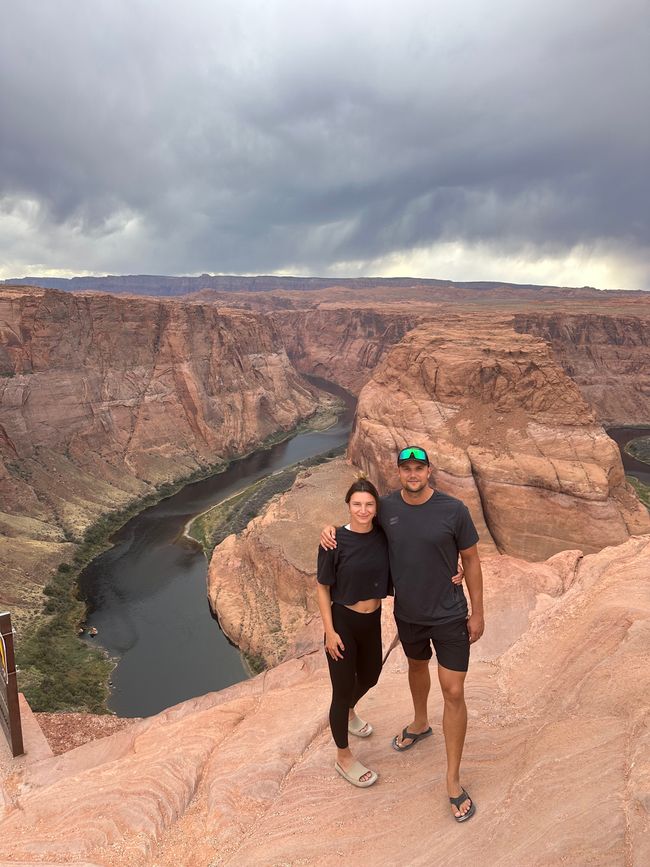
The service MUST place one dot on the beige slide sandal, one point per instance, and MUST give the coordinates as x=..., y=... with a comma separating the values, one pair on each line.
x=359, y=728
x=354, y=774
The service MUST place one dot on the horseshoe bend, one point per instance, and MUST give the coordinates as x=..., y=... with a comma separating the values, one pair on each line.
x=110, y=402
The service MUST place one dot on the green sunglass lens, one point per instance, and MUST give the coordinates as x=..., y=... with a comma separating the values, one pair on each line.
x=416, y=454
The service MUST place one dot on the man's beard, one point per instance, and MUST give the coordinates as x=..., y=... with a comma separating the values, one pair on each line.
x=408, y=486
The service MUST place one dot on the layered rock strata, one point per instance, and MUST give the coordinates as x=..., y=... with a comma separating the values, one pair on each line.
x=340, y=343
x=608, y=357
x=105, y=398
x=507, y=431
x=245, y=776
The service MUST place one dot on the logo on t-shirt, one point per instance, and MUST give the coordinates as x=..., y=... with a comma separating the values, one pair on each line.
x=394, y=520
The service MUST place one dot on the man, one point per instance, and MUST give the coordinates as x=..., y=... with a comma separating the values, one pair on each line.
x=426, y=531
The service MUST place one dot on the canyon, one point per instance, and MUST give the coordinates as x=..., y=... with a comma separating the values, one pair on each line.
x=105, y=399
x=606, y=356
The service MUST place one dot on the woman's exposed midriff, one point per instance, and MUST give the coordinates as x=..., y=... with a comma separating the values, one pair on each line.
x=365, y=606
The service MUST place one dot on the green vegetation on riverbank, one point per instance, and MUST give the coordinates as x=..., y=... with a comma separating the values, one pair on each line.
x=58, y=671
x=232, y=516
x=639, y=449
x=642, y=490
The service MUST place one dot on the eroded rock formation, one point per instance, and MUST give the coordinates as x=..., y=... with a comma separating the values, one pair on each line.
x=556, y=756
x=105, y=398
x=608, y=357
x=342, y=344
x=557, y=749
x=507, y=431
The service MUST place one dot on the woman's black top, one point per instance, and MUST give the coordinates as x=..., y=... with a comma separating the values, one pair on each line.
x=357, y=568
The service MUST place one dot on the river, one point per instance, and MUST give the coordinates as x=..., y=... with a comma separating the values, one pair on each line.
x=633, y=467
x=146, y=596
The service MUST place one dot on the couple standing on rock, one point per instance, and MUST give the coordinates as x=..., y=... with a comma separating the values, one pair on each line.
x=410, y=540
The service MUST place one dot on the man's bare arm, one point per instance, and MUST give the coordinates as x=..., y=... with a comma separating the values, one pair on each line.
x=328, y=537
x=474, y=580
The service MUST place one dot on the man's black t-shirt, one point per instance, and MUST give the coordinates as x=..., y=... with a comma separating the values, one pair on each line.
x=357, y=568
x=423, y=543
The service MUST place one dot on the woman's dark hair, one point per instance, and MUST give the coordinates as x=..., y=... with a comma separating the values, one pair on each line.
x=362, y=486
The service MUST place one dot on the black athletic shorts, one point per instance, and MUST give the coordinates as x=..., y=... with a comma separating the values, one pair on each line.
x=450, y=640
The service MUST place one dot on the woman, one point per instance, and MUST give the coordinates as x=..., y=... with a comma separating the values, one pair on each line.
x=352, y=580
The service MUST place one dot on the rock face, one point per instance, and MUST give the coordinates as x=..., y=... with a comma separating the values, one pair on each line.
x=261, y=583
x=556, y=757
x=104, y=398
x=507, y=431
x=608, y=357
x=342, y=344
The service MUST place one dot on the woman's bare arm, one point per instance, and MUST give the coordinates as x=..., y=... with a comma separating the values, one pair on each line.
x=333, y=643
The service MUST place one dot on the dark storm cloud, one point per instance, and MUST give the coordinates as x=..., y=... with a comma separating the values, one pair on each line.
x=253, y=137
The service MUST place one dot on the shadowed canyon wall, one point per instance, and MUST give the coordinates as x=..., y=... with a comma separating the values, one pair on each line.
x=342, y=344
x=105, y=398
x=608, y=357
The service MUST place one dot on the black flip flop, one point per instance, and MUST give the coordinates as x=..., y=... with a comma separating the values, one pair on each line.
x=458, y=801
x=414, y=739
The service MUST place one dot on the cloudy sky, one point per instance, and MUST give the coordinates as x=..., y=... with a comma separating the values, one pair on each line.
x=480, y=140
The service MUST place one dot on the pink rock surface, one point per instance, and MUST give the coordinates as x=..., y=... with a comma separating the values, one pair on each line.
x=556, y=755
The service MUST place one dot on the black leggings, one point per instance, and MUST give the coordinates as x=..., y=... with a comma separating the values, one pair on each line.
x=359, y=669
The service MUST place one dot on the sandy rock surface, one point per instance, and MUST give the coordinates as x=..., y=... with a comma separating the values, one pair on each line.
x=507, y=431
x=65, y=731
x=556, y=756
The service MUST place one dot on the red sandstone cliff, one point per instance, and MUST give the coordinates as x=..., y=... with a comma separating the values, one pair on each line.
x=508, y=432
x=601, y=339
x=103, y=398
x=608, y=357
x=342, y=344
